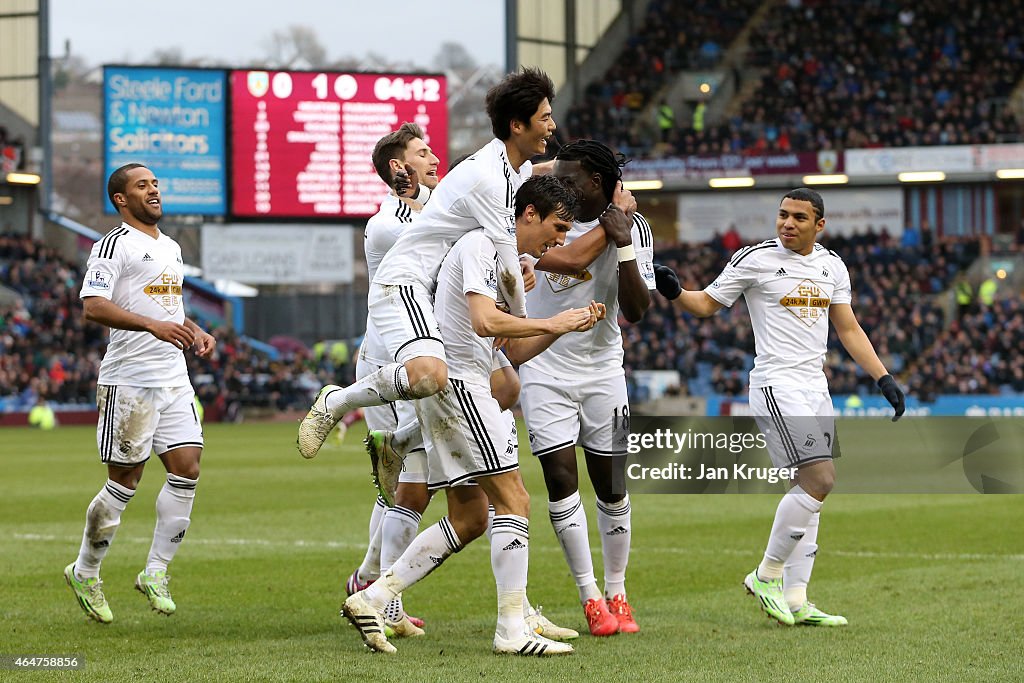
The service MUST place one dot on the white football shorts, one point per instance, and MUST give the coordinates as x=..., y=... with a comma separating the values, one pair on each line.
x=467, y=435
x=799, y=425
x=588, y=413
x=403, y=316
x=136, y=421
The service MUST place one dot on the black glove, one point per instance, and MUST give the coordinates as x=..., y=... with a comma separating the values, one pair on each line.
x=667, y=282
x=893, y=394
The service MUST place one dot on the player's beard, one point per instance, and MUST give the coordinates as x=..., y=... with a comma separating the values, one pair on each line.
x=148, y=215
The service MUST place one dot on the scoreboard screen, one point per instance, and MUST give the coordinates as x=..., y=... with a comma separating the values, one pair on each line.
x=302, y=141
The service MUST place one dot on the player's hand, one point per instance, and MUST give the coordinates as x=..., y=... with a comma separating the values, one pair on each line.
x=893, y=394
x=600, y=311
x=407, y=182
x=667, y=282
x=573, y=320
x=625, y=200
x=529, y=275
x=500, y=343
x=173, y=333
x=204, y=344
x=617, y=226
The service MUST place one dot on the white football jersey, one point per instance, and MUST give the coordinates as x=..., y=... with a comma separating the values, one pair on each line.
x=788, y=296
x=471, y=266
x=382, y=231
x=384, y=227
x=141, y=275
x=599, y=351
x=479, y=192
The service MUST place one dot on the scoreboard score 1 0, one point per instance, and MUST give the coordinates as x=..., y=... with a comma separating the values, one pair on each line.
x=302, y=141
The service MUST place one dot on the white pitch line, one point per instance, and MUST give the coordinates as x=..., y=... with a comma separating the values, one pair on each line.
x=344, y=545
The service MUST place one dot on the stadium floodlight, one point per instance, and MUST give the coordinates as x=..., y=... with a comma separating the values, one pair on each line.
x=827, y=179
x=15, y=178
x=1010, y=173
x=637, y=185
x=738, y=181
x=921, y=177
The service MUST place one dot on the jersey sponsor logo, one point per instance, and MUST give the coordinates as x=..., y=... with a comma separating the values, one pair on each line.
x=807, y=302
x=97, y=280
x=824, y=272
x=516, y=544
x=146, y=258
x=560, y=283
x=165, y=290
x=780, y=272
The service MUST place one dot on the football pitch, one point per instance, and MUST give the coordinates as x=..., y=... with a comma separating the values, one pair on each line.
x=933, y=585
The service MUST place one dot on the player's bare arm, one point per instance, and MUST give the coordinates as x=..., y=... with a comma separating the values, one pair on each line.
x=855, y=340
x=699, y=303
x=573, y=258
x=105, y=312
x=634, y=297
x=488, y=321
x=521, y=350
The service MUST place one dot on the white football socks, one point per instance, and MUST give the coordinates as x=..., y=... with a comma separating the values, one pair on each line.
x=397, y=531
x=797, y=572
x=390, y=383
x=101, y=522
x=407, y=438
x=510, y=553
x=425, y=554
x=369, y=569
x=173, y=512
x=613, y=520
x=790, y=525
x=569, y=520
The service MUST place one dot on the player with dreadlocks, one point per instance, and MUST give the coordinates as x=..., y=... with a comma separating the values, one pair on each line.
x=575, y=392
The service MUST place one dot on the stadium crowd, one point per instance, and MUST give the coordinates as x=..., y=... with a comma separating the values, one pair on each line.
x=48, y=350
x=673, y=37
x=897, y=302
x=863, y=74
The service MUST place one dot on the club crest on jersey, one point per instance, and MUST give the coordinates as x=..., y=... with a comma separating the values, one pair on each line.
x=165, y=290
x=560, y=283
x=807, y=302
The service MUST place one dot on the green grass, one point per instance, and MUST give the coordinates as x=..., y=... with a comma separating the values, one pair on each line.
x=932, y=584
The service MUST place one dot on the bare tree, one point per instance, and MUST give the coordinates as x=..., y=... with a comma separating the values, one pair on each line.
x=295, y=46
x=454, y=57
x=166, y=56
